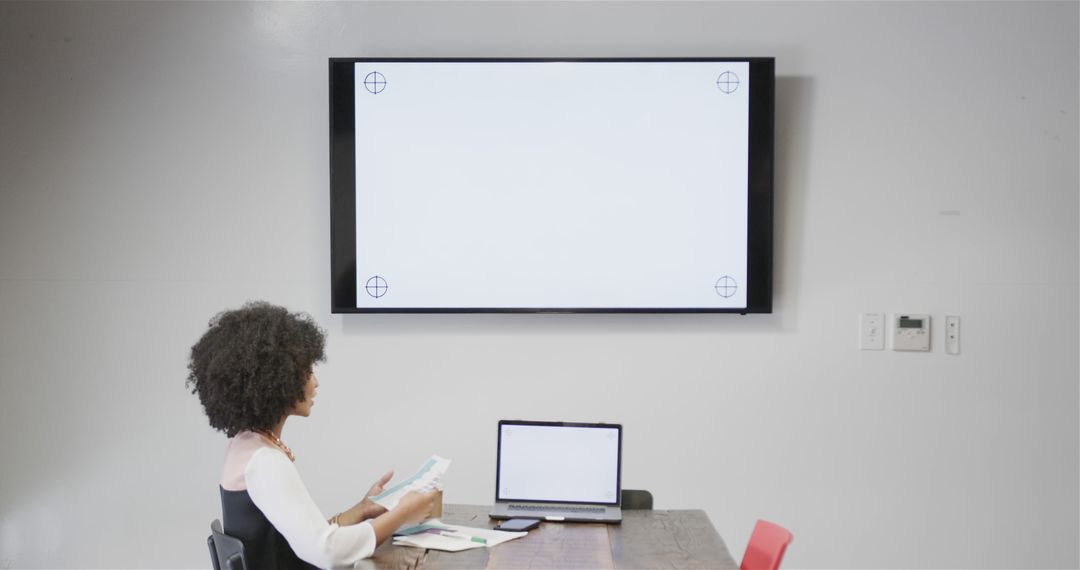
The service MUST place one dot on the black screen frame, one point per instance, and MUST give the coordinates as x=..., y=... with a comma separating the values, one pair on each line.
x=498, y=459
x=759, y=250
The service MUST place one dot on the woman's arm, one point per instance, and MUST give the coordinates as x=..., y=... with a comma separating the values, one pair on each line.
x=276, y=488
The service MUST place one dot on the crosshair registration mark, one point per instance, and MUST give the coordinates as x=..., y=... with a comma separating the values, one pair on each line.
x=726, y=286
x=728, y=82
x=376, y=286
x=375, y=82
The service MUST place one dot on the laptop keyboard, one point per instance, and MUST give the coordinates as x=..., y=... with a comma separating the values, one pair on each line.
x=566, y=509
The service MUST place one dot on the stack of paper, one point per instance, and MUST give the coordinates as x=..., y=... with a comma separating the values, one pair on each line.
x=452, y=538
x=426, y=479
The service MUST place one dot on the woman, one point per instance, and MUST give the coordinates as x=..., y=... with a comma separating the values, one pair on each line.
x=252, y=370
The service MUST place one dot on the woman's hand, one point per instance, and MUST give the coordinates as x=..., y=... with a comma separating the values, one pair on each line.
x=415, y=506
x=368, y=508
x=378, y=486
x=412, y=508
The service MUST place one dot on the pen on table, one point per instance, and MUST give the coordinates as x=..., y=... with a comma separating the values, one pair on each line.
x=463, y=537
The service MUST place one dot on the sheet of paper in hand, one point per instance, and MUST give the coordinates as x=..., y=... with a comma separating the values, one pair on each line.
x=425, y=479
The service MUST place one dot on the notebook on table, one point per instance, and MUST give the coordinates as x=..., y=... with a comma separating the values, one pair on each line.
x=558, y=471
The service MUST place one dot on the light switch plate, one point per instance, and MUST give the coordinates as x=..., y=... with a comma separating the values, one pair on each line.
x=872, y=331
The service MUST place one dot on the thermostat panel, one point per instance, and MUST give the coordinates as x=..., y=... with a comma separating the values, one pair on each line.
x=911, y=332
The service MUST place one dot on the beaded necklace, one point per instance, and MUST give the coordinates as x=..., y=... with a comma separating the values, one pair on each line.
x=280, y=444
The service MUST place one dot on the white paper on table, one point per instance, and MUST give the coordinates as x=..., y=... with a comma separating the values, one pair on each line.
x=462, y=540
x=425, y=479
x=436, y=542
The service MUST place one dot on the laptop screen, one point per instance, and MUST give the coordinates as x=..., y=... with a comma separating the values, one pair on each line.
x=558, y=462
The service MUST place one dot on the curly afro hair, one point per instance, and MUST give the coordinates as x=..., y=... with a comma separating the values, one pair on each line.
x=251, y=366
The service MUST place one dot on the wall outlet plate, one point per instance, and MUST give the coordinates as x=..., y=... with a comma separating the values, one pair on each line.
x=952, y=334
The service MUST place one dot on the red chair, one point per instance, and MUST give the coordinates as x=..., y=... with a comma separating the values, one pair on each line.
x=766, y=547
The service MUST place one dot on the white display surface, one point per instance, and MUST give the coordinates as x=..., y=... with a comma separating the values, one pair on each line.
x=551, y=184
x=558, y=463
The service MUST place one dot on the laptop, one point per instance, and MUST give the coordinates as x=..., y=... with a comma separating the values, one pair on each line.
x=558, y=471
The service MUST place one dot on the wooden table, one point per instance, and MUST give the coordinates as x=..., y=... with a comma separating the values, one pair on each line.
x=645, y=539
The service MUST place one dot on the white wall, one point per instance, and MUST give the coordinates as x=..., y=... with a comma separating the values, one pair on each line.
x=161, y=162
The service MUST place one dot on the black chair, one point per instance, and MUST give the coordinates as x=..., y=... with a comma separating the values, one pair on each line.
x=225, y=548
x=636, y=500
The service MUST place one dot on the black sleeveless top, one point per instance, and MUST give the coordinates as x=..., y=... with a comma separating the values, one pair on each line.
x=264, y=547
